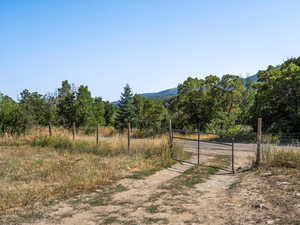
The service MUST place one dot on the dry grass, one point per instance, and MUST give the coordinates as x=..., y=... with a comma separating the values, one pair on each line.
x=37, y=170
x=104, y=131
x=195, y=136
x=281, y=156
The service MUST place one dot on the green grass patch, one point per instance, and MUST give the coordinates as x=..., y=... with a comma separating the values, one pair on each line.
x=120, y=188
x=152, y=209
x=143, y=174
x=197, y=174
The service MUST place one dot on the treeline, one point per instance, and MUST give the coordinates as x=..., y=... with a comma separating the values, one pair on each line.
x=228, y=104
x=70, y=104
x=232, y=105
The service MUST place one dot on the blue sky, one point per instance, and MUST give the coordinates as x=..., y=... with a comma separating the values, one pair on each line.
x=150, y=44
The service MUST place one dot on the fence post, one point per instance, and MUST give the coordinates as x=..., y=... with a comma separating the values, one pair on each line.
x=198, y=156
x=50, y=129
x=170, y=133
x=97, y=134
x=258, y=150
x=74, y=131
x=128, y=136
x=232, y=156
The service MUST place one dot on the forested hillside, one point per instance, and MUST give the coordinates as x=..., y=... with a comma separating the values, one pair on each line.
x=216, y=104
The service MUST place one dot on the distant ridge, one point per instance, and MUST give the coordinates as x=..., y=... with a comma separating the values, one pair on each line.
x=162, y=94
x=252, y=78
x=173, y=91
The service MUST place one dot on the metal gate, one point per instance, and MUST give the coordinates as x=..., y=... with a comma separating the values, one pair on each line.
x=204, y=144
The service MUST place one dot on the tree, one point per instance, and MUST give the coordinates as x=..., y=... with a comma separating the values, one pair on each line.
x=247, y=102
x=110, y=112
x=277, y=100
x=196, y=102
x=84, y=107
x=229, y=100
x=32, y=104
x=99, y=110
x=66, y=107
x=50, y=109
x=125, y=113
x=13, y=120
x=150, y=113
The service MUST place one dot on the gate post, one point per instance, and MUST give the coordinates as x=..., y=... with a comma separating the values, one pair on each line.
x=259, y=125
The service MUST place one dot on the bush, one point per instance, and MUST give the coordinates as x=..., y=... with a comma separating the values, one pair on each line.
x=13, y=119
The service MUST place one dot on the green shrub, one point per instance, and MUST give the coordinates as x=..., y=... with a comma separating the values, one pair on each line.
x=13, y=120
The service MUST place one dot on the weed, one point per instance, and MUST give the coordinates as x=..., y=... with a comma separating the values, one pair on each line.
x=152, y=209
x=120, y=188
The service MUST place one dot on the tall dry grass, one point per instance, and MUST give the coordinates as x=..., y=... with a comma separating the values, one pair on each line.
x=281, y=156
x=35, y=170
x=195, y=136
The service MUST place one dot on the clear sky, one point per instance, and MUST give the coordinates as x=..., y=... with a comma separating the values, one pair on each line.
x=150, y=44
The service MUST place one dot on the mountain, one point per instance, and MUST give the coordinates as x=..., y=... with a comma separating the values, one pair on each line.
x=173, y=91
x=162, y=94
x=252, y=78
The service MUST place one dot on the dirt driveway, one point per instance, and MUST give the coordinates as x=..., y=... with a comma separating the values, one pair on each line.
x=167, y=197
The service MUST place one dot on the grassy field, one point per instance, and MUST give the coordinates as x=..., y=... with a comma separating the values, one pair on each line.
x=37, y=170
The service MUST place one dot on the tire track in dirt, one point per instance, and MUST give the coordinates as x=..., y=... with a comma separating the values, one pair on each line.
x=146, y=201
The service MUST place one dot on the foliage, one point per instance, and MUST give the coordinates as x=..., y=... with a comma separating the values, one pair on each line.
x=278, y=97
x=210, y=103
x=77, y=105
x=213, y=104
x=66, y=108
x=13, y=120
x=149, y=113
x=110, y=112
x=126, y=111
x=39, y=109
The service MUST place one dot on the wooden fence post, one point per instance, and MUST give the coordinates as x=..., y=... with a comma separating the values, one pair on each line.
x=97, y=134
x=170, y=133
x=258, y=150
x=129, y=131
x=74, y=130
x=198, y=155
x=50, y=129
x=171, y=139
x=232, y=156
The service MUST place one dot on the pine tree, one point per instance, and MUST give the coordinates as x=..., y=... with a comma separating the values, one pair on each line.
x=126, y=110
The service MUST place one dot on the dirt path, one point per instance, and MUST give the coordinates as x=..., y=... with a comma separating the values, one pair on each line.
x=154, y=200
